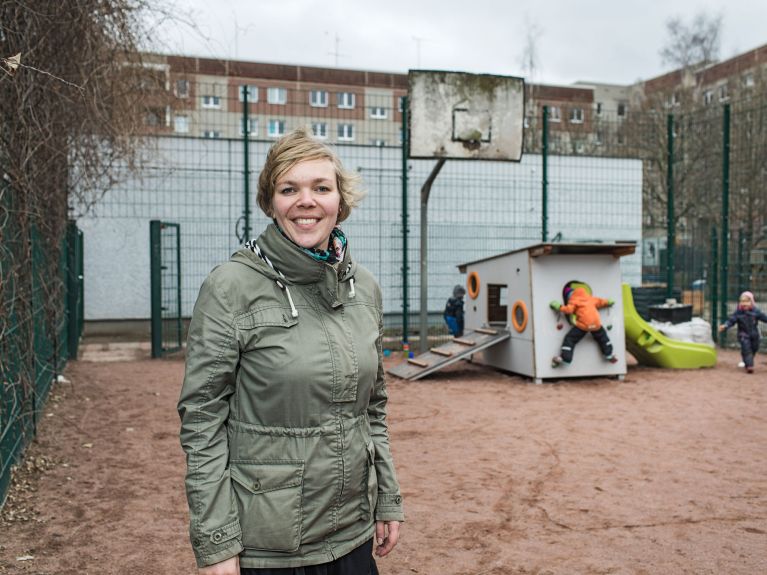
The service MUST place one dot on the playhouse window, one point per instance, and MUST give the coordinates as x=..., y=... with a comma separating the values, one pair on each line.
x=496, y=303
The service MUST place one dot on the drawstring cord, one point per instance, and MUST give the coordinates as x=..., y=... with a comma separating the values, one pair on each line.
x=252, y=245
x=351, y=280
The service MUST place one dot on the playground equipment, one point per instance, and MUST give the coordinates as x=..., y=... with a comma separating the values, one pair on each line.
x=652, y=348
x=509, y=324
x=512, y=291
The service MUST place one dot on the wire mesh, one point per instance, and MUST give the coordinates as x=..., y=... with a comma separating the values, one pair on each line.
x=607, y=180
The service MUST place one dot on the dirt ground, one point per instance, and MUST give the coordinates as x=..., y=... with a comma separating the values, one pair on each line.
x=663, y=473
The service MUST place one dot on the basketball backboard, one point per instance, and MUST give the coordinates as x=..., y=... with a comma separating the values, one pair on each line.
x=465, y=116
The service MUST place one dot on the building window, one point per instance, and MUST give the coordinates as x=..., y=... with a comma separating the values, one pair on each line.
x=723, y=93
x=182, y=88
x=497, y=294
x=622, y=108
x=276, y=95
x=318, y=98
x=252, y=93
x=345, y=100
x=320, y=130
x=181, y=124
x=213, y=102
x=378, y=143
x=252, y=127
x=154, y=117
x=676, y=99
x=345, y=132
x=276, y=128
x=379, y=113
x=211, y=134
x=599, y=108
x=748, y=80
x=576, y=115
x=400, y=103
x=555, y=114
x=708, y=97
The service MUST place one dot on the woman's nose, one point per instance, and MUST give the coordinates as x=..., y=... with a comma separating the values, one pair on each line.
x=306, y=197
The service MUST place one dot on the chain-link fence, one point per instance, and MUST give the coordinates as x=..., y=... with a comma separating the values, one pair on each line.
x=585, y=176
x=40, y=323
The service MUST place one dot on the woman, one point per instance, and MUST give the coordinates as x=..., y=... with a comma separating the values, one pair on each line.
x=283, y=407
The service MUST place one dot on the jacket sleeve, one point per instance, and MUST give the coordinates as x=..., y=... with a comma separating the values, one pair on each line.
x=389, y=507
x=731, y=321
x=212, y=356
x=567, y=309
x=601, y=302
x=761, y=316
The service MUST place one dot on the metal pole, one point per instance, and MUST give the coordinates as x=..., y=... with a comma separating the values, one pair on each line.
x=714, y=277
x=545, y=176
x=423, y=330
x=246, y=158
x=670, y=223
x=405, y=267
x=179, y=323
x=155, y=259
x=741, y=263
x=725, y=212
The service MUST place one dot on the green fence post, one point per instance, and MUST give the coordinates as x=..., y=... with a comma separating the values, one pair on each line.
x=545, y=176
x=405, y=267
x=155, y=263
x=73, y=285
x=179, y=323
x=670, y=224
x=714, y=286
x=741, y=243
x=725, y=213
x=246, y=159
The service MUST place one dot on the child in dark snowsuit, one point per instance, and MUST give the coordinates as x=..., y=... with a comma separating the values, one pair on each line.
x=454, y=312
x=587, y=320
x=747, y=316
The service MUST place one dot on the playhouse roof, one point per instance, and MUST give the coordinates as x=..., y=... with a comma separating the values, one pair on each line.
x=614, y=249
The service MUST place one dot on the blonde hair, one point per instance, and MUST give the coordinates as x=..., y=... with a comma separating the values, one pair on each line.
x=300, y=146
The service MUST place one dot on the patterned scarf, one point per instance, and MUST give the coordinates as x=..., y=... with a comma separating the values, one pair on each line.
x=336, y=247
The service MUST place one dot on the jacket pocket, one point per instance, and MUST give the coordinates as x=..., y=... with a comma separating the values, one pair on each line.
x=270, y=502
x=265, y=328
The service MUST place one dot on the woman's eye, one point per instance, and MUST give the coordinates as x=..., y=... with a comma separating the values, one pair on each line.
x=323, y=189
x=286, y=190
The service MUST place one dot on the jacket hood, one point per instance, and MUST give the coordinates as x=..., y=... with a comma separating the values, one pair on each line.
x=749, y=296
x=286, y=264
x=579, y=293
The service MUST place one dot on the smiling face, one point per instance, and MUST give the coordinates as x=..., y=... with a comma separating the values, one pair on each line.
x=306, y=202
x=745, y=302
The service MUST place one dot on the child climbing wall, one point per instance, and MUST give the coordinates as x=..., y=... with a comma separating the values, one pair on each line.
x=585, y=308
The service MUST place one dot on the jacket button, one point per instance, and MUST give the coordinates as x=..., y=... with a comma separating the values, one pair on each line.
x=217, y=536
x=256, y=485
x=398, y=500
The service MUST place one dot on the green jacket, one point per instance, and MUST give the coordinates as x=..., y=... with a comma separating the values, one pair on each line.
x=283, y=410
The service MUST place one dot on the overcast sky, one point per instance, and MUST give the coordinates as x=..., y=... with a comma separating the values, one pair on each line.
x=612, y=41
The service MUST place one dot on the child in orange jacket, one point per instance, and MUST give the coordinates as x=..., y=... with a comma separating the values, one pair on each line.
x=586, y=309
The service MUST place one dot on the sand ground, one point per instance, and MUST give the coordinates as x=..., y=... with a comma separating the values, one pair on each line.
x=663, y=473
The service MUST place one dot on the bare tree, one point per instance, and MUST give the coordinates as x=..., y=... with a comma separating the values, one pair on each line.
x=73, y=90
x=696, y=42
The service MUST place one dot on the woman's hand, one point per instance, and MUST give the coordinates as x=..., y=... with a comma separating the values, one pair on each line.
x=387, y=535
x=230, y=566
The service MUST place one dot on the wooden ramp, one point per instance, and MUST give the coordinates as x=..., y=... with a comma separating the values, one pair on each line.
x=446, y=354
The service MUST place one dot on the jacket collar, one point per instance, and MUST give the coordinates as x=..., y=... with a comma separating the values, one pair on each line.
x=296, y=265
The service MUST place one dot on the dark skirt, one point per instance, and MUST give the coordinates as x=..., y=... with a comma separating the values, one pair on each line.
x=357, y=562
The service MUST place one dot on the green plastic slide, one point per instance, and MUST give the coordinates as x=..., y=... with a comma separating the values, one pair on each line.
x=652, y=348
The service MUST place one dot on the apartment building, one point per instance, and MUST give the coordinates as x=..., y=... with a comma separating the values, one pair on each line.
x=204, y=97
